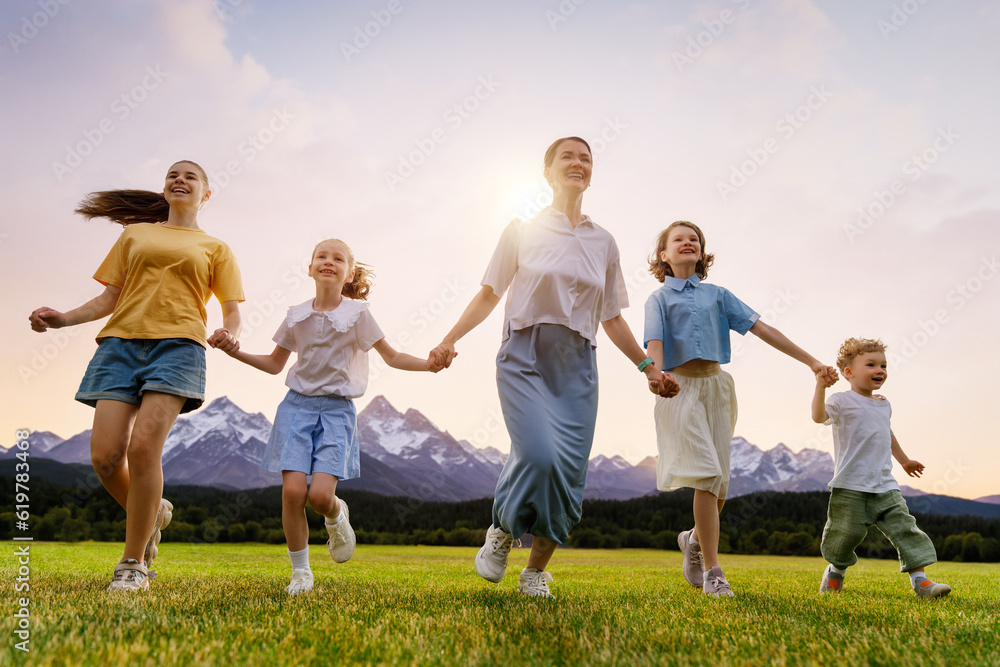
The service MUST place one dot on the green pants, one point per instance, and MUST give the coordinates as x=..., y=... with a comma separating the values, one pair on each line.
x=852, y=513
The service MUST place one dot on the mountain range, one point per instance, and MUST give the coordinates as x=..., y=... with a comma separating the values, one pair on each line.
x=404, y=454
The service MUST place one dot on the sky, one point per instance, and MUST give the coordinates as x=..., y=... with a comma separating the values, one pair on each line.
x=840, y=158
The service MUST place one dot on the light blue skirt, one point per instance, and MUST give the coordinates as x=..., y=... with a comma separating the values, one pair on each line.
x=547, y=377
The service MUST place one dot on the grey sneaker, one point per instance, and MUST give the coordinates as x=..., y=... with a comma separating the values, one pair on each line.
x=163, y=516
x=716, y=584
x=302, y=581
x=832, y=581
x=130, y=575
x=342, y=540
x=491, y=561
x=534, y=583
x=692, y=563
x=925, y=588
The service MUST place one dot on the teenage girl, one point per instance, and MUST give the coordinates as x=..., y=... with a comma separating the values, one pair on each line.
x=315, y=429
x=687, y=332
x=150, y=360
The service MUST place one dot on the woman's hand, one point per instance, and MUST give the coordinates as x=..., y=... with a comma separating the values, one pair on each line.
x=45, y=318
x=223, y=340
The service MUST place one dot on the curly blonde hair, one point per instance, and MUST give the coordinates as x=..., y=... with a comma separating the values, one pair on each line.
x=853, y=347
x=364, y=277
x=661, y=269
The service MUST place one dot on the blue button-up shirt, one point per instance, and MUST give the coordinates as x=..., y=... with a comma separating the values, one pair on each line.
x=693, y=319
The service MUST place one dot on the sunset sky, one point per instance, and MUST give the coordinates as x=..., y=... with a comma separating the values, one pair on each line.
x=840, y=157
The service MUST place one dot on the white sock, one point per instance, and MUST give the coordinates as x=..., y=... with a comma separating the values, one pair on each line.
x=693, y=543
x=915, y=575
x=300, y=559
x=337, y=519
x=833, y=568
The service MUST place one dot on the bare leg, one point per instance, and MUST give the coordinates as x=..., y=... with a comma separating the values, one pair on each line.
x=323, y=495
x=541, y=552
x=109, y=444
x=293, y=509
x=153, y=420
x=707, y=507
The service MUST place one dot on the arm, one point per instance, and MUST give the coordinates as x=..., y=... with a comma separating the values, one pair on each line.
x=478, y=310
x=403, y=361
x=620, y=334
x=912, y=468
x=819, y=414
x=269, y=363
x=100, y=306
x=226, y=338
x=780, y=342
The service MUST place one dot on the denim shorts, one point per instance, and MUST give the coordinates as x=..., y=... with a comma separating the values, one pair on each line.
x=314, y=434
x=124, y=368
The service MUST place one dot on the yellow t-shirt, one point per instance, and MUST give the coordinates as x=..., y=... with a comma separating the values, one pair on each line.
x=167, y=275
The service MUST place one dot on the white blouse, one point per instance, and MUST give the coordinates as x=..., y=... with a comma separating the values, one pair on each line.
x=331, y=347
x=557, y=274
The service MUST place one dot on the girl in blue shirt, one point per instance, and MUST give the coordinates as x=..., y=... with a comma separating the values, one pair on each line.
x=687, y=333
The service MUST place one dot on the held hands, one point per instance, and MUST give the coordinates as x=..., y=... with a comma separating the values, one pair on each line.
x=663, y=384
x=434, y=362
x=44, y=318
x=826, y=375
x=225, y=341
x=441, y=357
x=913, y=468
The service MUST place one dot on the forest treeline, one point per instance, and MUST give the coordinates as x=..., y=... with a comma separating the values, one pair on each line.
x=778, y=523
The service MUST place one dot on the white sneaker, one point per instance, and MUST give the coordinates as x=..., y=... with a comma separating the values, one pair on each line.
x=491, y=561
x=691, y=563
x=163, y=516
x=716, y=584
x=534, y=583
x=302, y=581
x=342, y=540
x=130, y=575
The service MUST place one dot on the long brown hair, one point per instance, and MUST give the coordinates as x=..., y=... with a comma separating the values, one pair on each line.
x=128, y=207
x=661, y=269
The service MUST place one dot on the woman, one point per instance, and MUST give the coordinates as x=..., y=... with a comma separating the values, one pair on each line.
x=564, y=277
x=150, y=360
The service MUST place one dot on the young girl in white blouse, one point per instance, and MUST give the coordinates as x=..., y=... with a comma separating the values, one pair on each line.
x=315, y=429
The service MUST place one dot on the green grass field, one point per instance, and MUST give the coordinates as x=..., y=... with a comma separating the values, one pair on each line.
x=226, y=605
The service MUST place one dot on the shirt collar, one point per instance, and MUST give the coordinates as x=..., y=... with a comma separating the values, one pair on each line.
x=677, y=284
x=559, y=218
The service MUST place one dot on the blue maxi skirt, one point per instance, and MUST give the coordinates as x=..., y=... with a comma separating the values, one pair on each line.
x=547, y=378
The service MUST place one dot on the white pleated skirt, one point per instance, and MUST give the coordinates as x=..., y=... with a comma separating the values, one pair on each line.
x=694, y=430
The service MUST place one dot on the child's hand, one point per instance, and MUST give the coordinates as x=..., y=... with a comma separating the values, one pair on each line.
x=445, y=353
x=826, y=375
x=434, y=362
x=668, y=386
x=225, y=341
x=913, y=468
x=45, y=318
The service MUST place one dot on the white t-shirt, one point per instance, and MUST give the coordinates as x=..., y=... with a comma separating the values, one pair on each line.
x=557, y=274
x=862, y=442
x=331, y=348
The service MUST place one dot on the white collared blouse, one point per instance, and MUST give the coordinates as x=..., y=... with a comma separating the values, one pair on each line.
x=557, y=274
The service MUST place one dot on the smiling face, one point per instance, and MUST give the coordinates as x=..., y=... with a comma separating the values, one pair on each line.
x=867, y=372
x=332, y=265
x=570, y=166
x=682, y=250
x=186, y=185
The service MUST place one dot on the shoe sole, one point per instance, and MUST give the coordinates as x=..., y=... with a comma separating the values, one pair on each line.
x=488, y=576
x=163, y=516
x=350, y=530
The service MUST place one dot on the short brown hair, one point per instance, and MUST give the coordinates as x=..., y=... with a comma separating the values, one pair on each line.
x=661, y=269
x=853, y=347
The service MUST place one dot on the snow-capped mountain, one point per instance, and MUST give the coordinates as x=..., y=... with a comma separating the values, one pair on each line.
x=777, y=469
